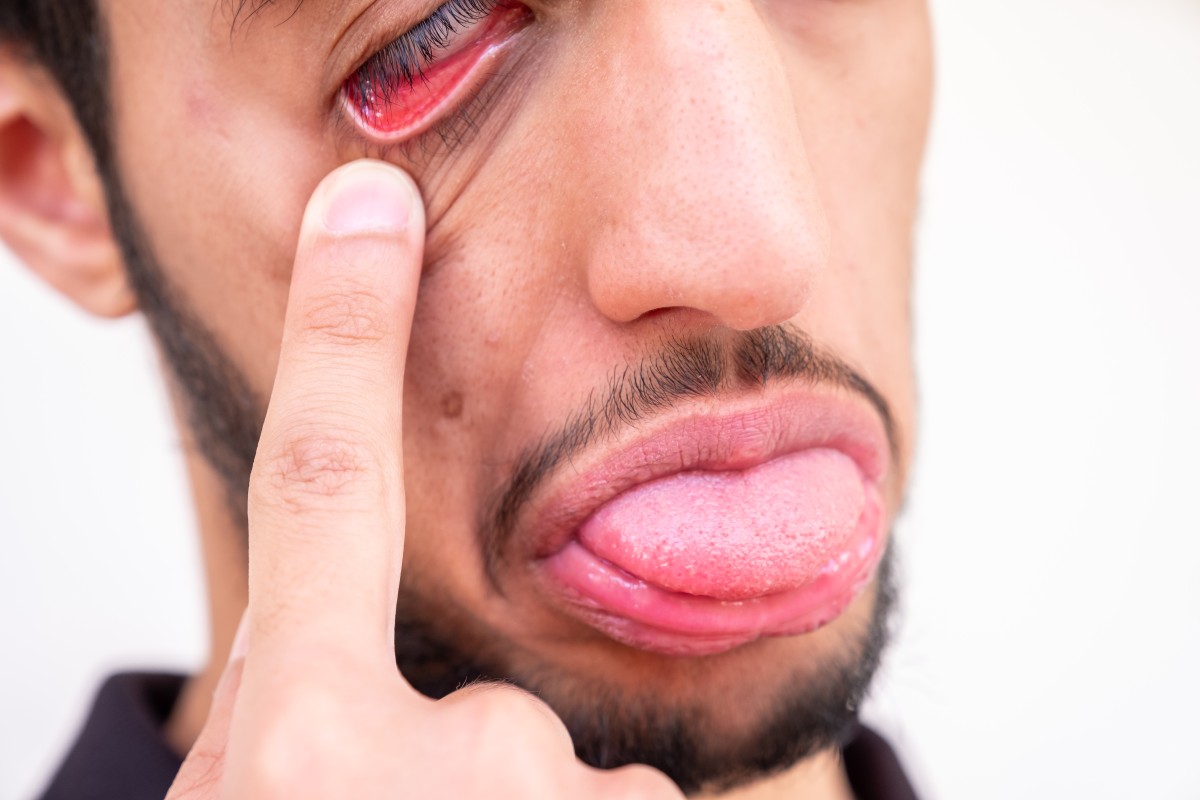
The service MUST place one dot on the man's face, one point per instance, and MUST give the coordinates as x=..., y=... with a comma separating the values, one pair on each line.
x=641, y=213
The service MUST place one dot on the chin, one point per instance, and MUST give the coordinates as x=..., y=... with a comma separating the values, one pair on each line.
x=710, y=722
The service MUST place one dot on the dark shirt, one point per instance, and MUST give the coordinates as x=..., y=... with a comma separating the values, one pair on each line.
x=121, y=753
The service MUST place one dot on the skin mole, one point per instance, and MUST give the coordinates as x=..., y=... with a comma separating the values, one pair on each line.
x=452, y=404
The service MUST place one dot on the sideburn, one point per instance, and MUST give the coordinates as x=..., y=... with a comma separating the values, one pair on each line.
x=224, y=414
x=69, y=38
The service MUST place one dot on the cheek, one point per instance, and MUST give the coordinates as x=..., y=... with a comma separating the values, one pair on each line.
x=483, y=290
x=221, y=218
x=495, y=286
x=864, y=111
x=218, y=174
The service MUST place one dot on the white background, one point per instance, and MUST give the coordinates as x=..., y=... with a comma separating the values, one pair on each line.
x=1049, y=645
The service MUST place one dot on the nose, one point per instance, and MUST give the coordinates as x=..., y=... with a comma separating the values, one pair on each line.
x=697, y=186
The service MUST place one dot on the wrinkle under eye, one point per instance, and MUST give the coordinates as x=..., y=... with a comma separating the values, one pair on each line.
x=389, y=106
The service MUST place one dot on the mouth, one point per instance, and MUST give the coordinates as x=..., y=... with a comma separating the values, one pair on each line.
x=719, y=525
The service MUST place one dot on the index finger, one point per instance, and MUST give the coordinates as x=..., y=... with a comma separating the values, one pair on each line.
x=326, y=500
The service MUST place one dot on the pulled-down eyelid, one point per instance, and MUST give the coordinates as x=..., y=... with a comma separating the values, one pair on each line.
x=405, y=88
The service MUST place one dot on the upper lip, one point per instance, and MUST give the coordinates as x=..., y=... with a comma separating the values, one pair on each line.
x=716, y=435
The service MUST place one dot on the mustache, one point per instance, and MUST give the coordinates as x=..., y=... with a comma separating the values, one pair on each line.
x=680, y=369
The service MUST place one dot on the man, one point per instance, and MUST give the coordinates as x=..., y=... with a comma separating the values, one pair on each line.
x=634, y=276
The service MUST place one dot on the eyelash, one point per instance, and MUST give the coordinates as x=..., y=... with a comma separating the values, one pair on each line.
x=404, y=59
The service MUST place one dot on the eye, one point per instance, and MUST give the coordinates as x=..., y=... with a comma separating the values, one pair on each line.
x=403, y=88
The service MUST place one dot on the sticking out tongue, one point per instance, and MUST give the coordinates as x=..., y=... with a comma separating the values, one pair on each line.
x=736, y=534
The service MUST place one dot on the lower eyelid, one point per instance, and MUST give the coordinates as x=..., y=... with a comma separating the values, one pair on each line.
x=394, y=114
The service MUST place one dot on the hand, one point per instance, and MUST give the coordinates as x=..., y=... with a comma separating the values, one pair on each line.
x=312, y=704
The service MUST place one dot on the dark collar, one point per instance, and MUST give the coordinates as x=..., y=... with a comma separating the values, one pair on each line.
x=121, y=754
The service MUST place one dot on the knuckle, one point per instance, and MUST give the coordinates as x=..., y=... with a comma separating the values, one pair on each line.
x=643, y=783
x=296, y=749
x=200, y=777
x=347, y=316
x=280, y=759
x=497, y=708
x=205, y=769
x=308, y=465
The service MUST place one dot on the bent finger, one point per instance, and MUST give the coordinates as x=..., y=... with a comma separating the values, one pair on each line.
x=509, y=708
x=634, y=782
x=202, y=771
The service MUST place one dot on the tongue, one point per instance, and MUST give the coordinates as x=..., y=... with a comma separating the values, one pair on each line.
x=736, y=534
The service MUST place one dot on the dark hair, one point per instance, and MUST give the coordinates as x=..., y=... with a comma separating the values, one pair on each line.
x=67, y=38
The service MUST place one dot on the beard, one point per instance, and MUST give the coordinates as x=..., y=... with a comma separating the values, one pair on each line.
x=814, y=705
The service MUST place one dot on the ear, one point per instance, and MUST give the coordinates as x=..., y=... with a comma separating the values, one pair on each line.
x=52, y=211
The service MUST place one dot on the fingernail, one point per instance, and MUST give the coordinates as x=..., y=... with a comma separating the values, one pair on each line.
x=241, y=640
x=368, y=198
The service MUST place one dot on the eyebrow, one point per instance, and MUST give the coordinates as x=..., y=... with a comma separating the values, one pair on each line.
x=682, y=369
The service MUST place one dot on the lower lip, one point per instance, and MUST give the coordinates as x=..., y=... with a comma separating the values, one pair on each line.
x=646, y=615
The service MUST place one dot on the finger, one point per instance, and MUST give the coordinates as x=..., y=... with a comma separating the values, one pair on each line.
x=203, y=769
x=634, y=782
x=514, y=709
x=326, y=504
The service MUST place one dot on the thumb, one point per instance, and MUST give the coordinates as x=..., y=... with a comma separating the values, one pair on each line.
x=202, y=770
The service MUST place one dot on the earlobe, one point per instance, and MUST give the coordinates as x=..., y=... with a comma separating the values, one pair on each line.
x=52, y=213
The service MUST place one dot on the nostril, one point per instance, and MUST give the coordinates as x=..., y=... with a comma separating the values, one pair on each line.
x=680, y=317
x=658, y=313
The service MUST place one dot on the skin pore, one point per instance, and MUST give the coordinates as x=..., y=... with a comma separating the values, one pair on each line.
x=633, y=176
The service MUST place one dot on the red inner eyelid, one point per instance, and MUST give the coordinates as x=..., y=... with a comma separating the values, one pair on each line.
x=403, y=110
